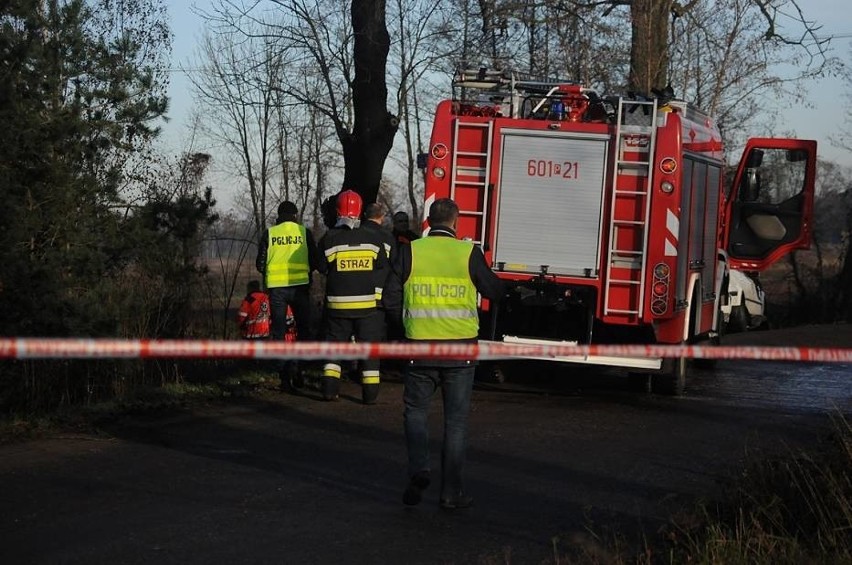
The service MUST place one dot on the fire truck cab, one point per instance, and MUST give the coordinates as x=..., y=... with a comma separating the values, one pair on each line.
x=609, y=218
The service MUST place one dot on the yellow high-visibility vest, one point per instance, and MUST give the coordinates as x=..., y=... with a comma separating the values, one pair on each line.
x=287, y=261
x=439, y=297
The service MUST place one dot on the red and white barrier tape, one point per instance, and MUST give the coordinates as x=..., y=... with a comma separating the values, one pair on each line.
x=81, y=348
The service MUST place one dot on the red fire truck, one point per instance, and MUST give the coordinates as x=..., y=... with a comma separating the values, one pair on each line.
x=611, y=219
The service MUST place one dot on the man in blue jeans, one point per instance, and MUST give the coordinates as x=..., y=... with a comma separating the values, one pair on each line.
x=432, y=292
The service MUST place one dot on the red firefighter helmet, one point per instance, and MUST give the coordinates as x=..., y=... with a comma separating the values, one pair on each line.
x=349, y=204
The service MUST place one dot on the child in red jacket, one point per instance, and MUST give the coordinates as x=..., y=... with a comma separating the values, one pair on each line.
x=253, y=317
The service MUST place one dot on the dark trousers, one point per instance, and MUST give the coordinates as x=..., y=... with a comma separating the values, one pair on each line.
x=297, y=298
x=369, y=328
x=421, y=383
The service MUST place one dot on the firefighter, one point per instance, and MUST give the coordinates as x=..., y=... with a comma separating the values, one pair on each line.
x=286, y=256
x=401, y=228
x=432, y=292
x=253, y=315
x=355, y=261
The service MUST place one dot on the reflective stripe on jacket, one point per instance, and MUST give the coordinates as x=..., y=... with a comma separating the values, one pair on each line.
x=253, y=316
x=351, y=271
x=287, y=262
x=439, y=297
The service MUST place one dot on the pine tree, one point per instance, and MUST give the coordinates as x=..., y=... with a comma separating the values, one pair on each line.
x=80, y=86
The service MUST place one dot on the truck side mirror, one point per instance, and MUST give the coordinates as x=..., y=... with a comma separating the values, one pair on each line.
x=750, y=187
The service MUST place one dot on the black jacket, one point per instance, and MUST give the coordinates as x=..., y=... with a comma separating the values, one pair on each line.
x=405, y=236
x=384, y=235
x=343, y=283
x=390, y=245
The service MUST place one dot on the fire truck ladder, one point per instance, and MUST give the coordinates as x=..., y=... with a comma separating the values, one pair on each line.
x=474, y=172
x=630, y=207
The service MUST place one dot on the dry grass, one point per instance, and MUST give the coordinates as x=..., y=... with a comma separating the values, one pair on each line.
x=789, y=511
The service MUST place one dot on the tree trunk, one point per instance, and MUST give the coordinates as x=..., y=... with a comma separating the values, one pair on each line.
x=367, y=146
x=649, y=56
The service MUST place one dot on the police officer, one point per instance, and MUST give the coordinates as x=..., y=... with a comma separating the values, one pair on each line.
x=432, y=291
x=286, y=256
x=356, y=262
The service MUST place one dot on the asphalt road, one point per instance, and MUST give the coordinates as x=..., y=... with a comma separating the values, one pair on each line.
x=284, y=479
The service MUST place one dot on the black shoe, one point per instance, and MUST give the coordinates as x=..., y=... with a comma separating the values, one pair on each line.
x=286, y=384
x=298, y=380
x=461, y=500
x=330, y=388
x=369, y=393
x=414, y=493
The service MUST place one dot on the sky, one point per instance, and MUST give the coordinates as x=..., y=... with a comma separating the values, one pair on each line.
x=818, y=122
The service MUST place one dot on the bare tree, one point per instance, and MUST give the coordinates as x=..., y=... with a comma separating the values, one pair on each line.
x=336, y=63
x=240, y=109
x=231, y=240
x=345, y=52
x=275, y=146
x=422, y=31
x=784, y=23
x=781, y=22
x=366, y=147
x=723, y=61
x=844, y=140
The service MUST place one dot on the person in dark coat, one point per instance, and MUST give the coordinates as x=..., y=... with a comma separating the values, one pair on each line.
x=402, y=230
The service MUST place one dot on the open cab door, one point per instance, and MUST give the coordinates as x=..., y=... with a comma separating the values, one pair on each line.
x=769, y=209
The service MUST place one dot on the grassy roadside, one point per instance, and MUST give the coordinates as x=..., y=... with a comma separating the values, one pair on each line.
x=170, y=397
x=791, y=510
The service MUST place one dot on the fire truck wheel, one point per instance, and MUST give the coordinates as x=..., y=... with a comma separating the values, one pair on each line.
x=497, y=375
x=719, y=332
x=671, y=380
x=738, y=322
x=490, y=373
x=639, y=382
x=715, y=340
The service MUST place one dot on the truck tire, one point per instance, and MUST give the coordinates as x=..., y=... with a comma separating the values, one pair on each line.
x=490, y=373
x=639, y=382
x=739, y=319
x=721, y=326
x=715, y=340
x=671, y=380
